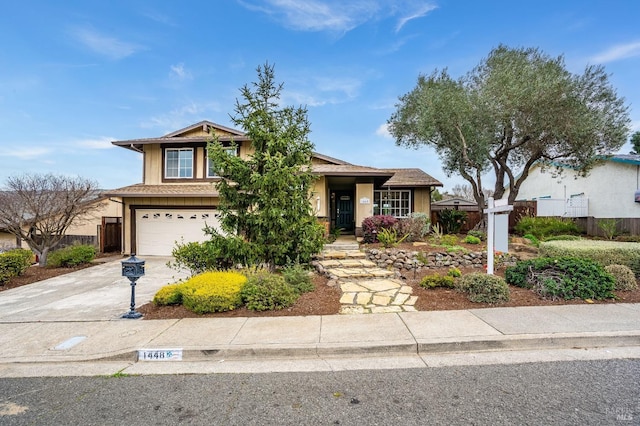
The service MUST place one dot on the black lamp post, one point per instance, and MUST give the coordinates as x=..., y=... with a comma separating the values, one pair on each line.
x=133, y=268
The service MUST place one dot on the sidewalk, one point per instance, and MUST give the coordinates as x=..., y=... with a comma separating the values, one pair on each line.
x=40, y=327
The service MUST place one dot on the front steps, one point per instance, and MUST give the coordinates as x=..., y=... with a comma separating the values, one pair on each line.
x=366, y=288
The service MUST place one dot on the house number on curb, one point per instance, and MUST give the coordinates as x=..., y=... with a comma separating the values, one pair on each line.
x=160, y=355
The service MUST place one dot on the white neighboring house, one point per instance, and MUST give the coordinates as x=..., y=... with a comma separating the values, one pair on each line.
x=608, y=191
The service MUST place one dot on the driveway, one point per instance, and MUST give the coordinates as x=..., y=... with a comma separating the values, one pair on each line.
x=92, y=294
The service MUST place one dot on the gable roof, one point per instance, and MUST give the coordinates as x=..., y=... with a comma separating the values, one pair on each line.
x=180, y=136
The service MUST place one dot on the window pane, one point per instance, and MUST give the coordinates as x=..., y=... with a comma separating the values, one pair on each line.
x=179, y=163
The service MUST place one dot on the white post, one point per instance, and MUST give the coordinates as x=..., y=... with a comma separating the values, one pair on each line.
x=490, y=232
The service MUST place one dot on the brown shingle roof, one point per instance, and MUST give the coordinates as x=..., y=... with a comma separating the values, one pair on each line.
x=166, y=190
x=348, y=170
x=410, y=177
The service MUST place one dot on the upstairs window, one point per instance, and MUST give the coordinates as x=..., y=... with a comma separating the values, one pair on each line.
x=210, y=171
x=178, y=163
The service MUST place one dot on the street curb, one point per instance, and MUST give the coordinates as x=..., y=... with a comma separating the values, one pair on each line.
x=587, y=340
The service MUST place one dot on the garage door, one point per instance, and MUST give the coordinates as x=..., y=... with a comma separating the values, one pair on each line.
x=157, y=230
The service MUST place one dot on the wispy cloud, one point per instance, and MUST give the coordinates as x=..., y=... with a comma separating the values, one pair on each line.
x=617, y=52
x=179, y=117
x=180, y=72
x=322, y=90
x=29, y=153
x=337, y=16
x=418, y=11
x=103, y=142
x=104, y=45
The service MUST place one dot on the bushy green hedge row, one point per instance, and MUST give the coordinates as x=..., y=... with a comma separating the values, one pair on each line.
x=13, y=263
x=603, y=252
x=71, y=256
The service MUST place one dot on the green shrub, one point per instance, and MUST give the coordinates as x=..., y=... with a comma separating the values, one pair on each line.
x=564, y=278
x=14, y=263
x=437, y=280
x=470, y=239
x=542, y=227
x=449, y=240
x=452, y=220
x=218, y=253
x=603, y=252
x=70, y=256
x=168, y=295
x=533, y=239
x=478, y=234
x=484, y=288
x=623, y=277
x=298, y=277
x=608, y=227
x=265, y=291
x=389, y=237
x=213, y=292
x=454, y=272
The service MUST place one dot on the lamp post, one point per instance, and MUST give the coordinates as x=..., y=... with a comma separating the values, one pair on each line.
x=132, y=268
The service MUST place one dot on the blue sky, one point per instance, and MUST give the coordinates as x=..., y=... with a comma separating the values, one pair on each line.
x=77, y=74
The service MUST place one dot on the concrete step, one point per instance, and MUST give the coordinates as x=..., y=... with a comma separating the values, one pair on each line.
x=358, y=273
x=341, y=254
x=342, y=246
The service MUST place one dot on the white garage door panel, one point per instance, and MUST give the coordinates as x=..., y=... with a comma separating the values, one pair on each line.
x=157, y=230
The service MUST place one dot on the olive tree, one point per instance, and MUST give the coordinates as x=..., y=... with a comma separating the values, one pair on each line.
x=265, y=199
x=39, y=208
x=516, y=108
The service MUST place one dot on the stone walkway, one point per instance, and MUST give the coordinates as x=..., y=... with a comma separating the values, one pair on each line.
x=365, y=287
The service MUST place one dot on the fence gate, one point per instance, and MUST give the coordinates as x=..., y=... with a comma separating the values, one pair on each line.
x=111, y=234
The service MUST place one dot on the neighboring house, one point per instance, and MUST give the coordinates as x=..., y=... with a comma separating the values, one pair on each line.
x=457, y=203
x=609, y=191
x=101, y=228
x=178, y=198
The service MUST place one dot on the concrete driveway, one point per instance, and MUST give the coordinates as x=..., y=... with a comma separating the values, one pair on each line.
x=93, y=294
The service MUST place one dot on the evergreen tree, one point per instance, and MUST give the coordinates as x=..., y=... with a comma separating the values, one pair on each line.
x=265, y=199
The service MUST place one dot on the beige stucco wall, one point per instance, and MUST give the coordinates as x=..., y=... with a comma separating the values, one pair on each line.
x=7, y=239
x=88, y=224
x=422, y=201
x=320, y=191
x=364, y=193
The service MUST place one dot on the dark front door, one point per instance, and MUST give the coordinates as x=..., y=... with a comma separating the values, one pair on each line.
x=344, y=210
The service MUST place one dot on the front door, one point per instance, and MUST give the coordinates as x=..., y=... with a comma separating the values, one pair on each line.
x=344, y=210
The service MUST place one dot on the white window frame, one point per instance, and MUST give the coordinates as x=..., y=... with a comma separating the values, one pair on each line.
x=231, y=150
x=180, y=166
x=394, y=205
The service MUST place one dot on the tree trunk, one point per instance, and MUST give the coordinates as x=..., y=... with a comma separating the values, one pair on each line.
x=42, y=257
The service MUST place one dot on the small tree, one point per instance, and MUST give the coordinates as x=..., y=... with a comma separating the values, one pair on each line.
x=635, y=142
x=39, y=208
x=265, y=200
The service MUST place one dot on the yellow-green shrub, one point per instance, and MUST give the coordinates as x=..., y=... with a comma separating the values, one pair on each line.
x=213, y=292
x=168, y=295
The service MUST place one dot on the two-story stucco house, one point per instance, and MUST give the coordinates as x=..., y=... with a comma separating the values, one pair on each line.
x=178, y=196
